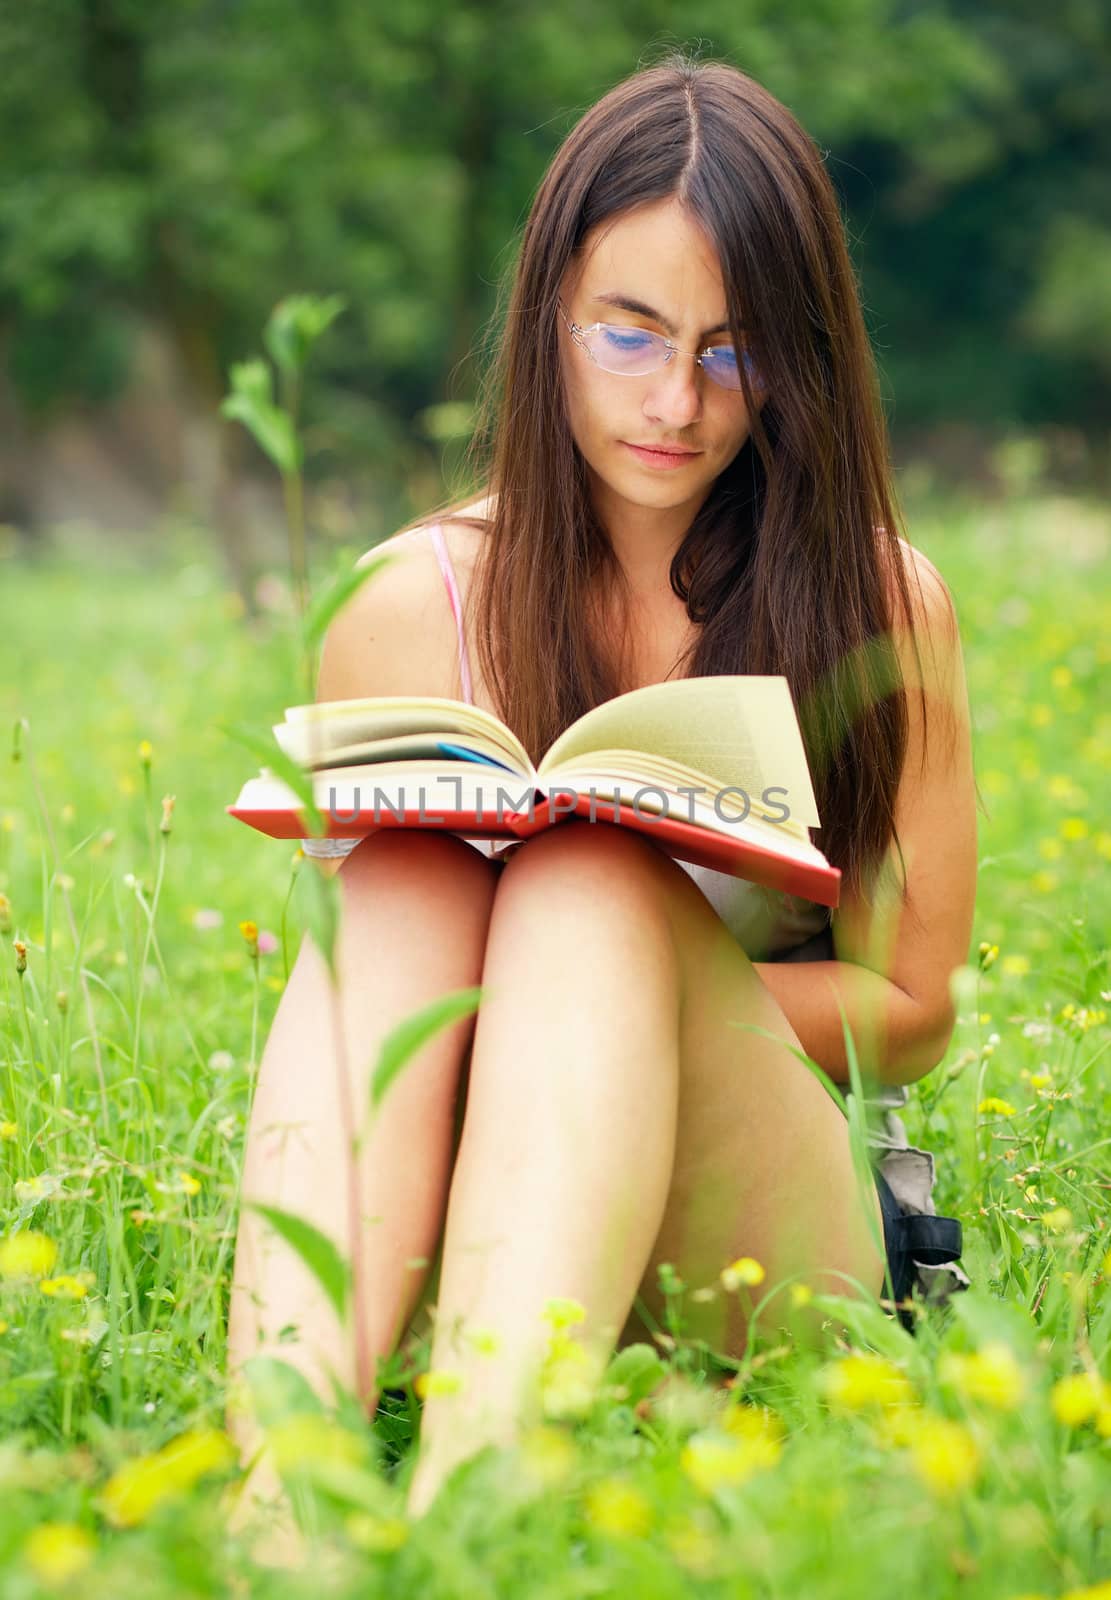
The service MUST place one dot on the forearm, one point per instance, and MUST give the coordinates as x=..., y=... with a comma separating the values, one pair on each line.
x=893, y=1039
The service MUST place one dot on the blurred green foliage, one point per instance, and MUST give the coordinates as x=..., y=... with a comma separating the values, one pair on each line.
x=202, y=160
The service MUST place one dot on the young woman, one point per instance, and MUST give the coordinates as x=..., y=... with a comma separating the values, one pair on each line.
x=687, y=472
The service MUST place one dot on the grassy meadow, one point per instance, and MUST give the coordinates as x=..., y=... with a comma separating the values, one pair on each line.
x=144, y=949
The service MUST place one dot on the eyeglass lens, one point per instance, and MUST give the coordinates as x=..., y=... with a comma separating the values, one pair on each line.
x=634, y=351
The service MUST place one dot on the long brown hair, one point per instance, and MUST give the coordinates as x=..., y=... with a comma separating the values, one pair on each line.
x=784, y=565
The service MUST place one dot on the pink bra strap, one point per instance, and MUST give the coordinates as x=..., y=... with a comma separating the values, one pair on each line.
x=436, y=533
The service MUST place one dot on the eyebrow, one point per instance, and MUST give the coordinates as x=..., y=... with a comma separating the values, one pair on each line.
x=624, y=302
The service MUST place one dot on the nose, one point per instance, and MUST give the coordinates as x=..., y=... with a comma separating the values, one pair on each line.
x=675, y=396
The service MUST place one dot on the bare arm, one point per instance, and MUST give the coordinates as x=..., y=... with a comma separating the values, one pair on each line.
x=894, y=961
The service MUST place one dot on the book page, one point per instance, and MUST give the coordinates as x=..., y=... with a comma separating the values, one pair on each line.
x=739, y=728
x=312, y=730
x=405, y=747
x=638, y=772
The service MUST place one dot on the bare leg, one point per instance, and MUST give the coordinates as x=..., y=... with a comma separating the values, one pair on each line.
x=565, y=1162
x=416, y=908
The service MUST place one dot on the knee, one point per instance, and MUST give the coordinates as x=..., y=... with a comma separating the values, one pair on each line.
x=413, y=851
x=592, y=846
x=398, y=871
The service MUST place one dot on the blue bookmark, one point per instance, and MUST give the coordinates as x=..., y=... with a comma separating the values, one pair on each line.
x=471, y=755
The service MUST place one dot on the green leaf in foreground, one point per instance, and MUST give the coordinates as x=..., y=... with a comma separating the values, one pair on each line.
x=271, y=755
x=278, y=1390
x=414, y=1031
x=251, y=404
x=637, y=1370
x=317, y=902
x=316, y=1250
x=336, y=596
x=295, y=325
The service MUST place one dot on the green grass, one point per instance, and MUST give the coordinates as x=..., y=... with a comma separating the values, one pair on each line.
x=127, y=1045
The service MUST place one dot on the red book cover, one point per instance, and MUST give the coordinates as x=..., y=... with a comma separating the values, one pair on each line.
x=738, y=856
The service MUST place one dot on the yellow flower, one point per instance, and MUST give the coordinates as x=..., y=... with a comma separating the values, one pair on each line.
x=1040, y=716
x=1102, y=843
x=249, y=930
x=1106, y=1267
x=3, y=1326
x=945, y=1455
x=1074, y=828
x=745, y=1421
x=9, y=1130
x=993, y=1104
x=745, y=1271
x=1060, y=677
x=439, y=1381
x=988, y=954
x=714, y=1459
x=1050, y=849
x=1060, y=786
x=1039, y=1080
x=376, y=1533
x=56, y=1552
x=801, y=1294
x=563, y=1313
x=1044, y=882
x=188, y=1184
x=146, y=751
x=1057, y=1220
x=569, y=1378
x=865, y=1379
x=613, y=1506
x=1016, y=966
x=68, y=1287
x=1079, y=1397
x=27, y=1255
x=140, y=1487
x=484, y=1340
x=991, y=1375
x=547, y=1454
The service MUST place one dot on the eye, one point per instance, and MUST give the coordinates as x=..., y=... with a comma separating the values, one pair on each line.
x=627, y=338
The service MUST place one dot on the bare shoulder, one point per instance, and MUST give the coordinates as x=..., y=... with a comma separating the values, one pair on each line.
x=934, y=613
x=464, y=539
x=396, y=634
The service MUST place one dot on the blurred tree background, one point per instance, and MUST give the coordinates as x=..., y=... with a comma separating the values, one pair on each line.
x=168, y=173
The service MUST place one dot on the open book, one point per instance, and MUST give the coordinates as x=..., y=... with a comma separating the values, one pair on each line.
x=712, y=769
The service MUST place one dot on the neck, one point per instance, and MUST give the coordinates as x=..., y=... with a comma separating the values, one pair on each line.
x=644, y=539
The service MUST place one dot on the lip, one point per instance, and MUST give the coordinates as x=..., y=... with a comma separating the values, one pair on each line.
x=661, y=458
